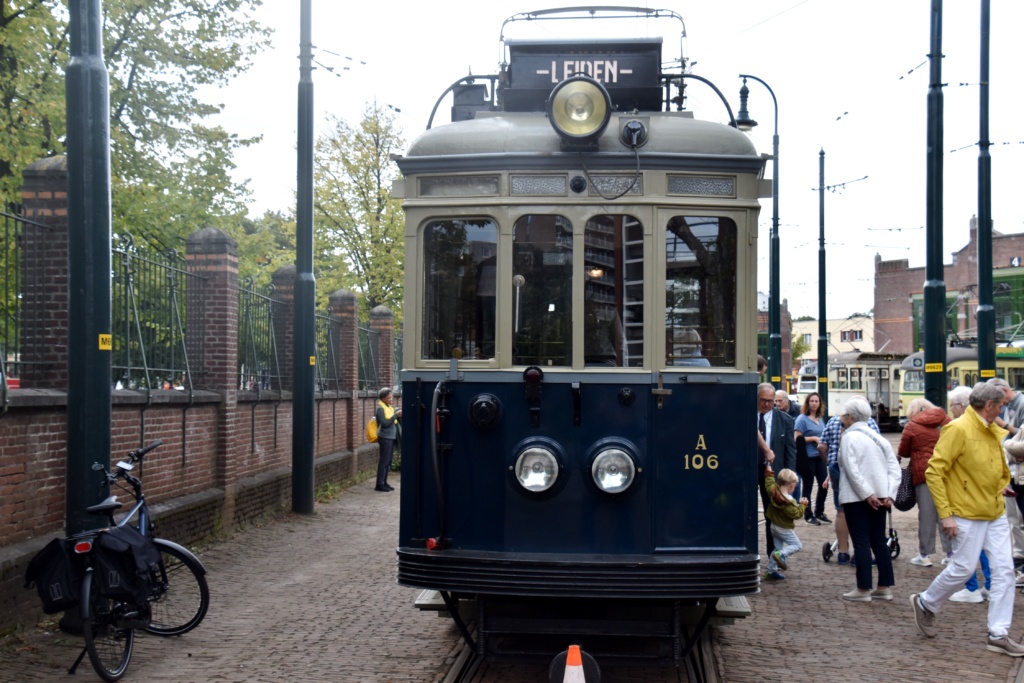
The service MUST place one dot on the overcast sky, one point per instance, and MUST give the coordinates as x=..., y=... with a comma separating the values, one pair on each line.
x=850, y=78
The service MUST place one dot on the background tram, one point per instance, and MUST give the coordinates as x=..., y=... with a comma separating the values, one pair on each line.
x=961, y=370
x=875, y=376
x=579, y=341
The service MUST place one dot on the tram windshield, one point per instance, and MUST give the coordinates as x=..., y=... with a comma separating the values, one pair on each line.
x=542, y=291
x=459, y=308
x=700, y=291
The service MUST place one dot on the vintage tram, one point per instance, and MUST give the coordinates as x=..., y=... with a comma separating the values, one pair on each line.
x=580, y=351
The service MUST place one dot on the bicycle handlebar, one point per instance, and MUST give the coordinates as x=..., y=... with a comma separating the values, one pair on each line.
x=136, y=456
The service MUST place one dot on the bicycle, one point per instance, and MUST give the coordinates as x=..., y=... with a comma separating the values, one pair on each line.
x=176, y=607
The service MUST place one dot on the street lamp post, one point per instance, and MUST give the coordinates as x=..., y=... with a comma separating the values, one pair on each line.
x=745, y=123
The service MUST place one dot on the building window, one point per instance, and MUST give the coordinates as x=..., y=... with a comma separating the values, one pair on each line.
x=807, y=339
x=852, y=336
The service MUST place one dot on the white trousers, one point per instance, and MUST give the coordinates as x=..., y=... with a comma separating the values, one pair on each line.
x=973, y=536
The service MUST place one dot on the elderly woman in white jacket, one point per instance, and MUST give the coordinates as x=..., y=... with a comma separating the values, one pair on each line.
x=870, y=478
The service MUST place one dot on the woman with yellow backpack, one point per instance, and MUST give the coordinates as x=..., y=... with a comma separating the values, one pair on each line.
x=387, y=432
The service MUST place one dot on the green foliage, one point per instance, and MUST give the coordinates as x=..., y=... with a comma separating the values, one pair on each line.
x=33, y=50
x=170, y=173
x=264, y=245
x=359, y=226
x=799, y=348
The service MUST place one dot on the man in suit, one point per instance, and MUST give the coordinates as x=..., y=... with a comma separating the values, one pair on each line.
x=775, y=429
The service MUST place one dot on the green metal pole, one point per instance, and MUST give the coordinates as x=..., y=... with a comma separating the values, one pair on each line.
x=986, y=310
x=934, y=286
x=822, y=315
x=305, y=284
x=89, y=340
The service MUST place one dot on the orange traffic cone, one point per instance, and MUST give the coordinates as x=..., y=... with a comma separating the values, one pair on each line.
x=574, y=666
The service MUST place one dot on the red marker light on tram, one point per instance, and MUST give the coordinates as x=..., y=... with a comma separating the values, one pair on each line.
x=433, y=543
x=83, y=547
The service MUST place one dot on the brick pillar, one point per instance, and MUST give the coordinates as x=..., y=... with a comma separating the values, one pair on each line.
x=44, y=271
x=284, y=322
x=382, y=325
x=345, y=312
x=211, y=341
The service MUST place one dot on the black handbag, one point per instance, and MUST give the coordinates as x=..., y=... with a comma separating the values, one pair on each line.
x=906, y=498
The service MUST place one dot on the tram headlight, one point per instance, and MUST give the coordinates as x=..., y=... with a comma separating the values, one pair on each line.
x=579, y=109
x=536, y=469
x=613, y=470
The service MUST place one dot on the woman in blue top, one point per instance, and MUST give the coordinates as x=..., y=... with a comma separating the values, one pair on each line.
x=810, y=424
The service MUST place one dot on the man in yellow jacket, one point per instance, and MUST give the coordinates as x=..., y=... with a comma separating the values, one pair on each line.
x=968, y=477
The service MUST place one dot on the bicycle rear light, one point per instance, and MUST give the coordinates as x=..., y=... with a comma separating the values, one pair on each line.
x=84, y=546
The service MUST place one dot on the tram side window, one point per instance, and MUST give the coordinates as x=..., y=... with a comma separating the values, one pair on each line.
x=542, y=291
x=700, y=291
x=613, y=303
x=855, y=380
x=459, y=302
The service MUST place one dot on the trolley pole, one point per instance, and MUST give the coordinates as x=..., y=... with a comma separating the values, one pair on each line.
x=304, y=362
x=935, y=285
x=986, y=310
x=89, y=341
x=822, y=316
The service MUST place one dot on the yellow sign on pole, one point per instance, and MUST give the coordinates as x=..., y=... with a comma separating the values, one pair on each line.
x=312, y=360
x=106, y=342
x=933, y=367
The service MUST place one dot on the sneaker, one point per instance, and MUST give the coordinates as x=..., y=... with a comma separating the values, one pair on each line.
x=857, y=595
x=1006, y=646
x=984, y=594
x=382, y=488
x=1019, y=577
x=774, y=576
x=823, y=519
x=922, y=561
x=947, y=558
x=843, y=558
x=882, y=594
x=925, y=619
x=964, y=595
x=780, y=559
x=812, y=521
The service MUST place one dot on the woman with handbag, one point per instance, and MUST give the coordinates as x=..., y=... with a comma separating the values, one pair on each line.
x=871, y=475
x=917, y=443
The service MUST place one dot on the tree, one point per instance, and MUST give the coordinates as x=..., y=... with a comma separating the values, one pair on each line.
x=359, y=225
x=170, y=173
x=799, y=348
x=33, y=49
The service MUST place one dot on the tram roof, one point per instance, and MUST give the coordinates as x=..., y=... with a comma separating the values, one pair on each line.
x=501, y=136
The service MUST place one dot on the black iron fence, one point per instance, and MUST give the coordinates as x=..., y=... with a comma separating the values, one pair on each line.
x=150, y=292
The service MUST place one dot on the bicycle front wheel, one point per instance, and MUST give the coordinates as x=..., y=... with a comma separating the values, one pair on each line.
x=179, y=597
x=108, y=643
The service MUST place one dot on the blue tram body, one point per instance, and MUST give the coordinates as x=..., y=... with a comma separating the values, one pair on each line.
x=688, y=529
x=580, y=347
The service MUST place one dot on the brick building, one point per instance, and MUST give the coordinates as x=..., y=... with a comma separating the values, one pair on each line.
x=899, y=294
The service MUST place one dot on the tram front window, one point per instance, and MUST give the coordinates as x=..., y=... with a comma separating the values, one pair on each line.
x=613, y=292
x=700, y=291
x=542, y=291
x=460, y=265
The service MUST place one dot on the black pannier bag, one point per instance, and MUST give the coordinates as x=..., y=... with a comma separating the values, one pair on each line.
x=124, y=560
x=57, y=574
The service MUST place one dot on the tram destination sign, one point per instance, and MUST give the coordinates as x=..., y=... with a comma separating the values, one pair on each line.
x=629, y=70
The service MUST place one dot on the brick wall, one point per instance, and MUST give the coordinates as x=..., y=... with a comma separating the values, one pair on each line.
x=226, y=454
x=896, y=283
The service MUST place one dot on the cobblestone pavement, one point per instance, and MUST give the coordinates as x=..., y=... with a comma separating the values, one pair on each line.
x=314, y=599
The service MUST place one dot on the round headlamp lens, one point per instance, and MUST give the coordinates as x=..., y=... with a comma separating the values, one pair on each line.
x=536, y=469
x=579, y=108
x=613, y=470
